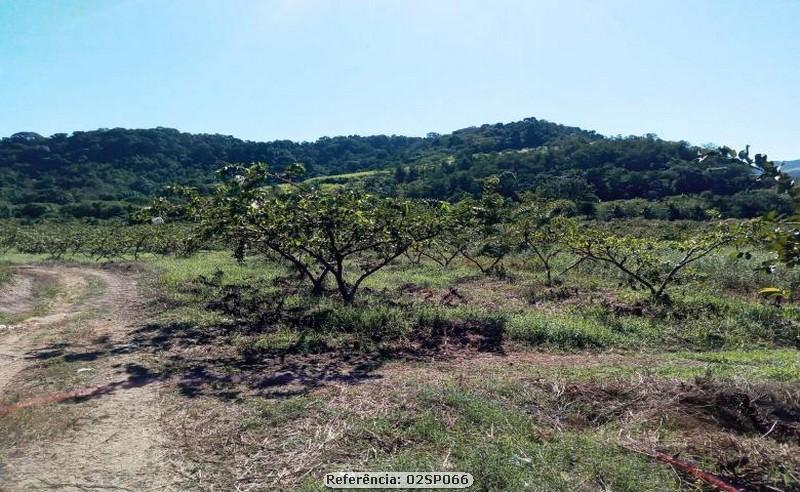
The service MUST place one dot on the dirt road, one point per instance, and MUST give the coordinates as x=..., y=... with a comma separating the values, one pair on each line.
x=78, y=409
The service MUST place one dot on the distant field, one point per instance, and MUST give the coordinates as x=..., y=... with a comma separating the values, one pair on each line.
x=343, y=178
x=338, y=180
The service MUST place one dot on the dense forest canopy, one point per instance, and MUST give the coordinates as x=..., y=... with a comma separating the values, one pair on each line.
x=106, y=173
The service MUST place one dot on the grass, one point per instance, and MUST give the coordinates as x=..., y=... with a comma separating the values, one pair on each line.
x=450, y=424
x=44, y=293
x=343, y=178
x=517, y=425
x=696, y=322
x=5, y=274
x=277, y=413
x=566, y=332
x=427, y=276
x=15, y=258
x=176, y=272
x=406, y=302
x=589, y=367
x=765, y=364
x=456, y=428
x=508, y=430
x=30, y=423
x=339, y=180
x=507, y=433
x=51, y=371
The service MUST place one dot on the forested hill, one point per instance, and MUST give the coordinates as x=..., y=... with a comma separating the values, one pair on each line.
x=792, y=167
x=107, y=172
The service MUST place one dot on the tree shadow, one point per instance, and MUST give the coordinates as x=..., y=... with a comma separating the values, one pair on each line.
x=138, y=375
x=481, y=335
x=204, y=361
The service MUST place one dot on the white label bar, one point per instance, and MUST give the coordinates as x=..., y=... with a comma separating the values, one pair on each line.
x=398, y=480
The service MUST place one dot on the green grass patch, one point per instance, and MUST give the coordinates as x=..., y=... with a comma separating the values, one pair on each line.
x=456, y=427
x=276, y=413
x=778, y=365
x=775, y=365
x=568, y=332
x=43, y=294
x=5, y=274
x=426, y=275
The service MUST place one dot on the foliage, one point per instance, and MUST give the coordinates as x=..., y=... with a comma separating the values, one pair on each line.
x=587, y=170
x=478, y=229
x=98, y=241
x=784, y=236
x=105, y=173
x=541, y=228
x=651, y=263
x=342, y=233
x=109, y=173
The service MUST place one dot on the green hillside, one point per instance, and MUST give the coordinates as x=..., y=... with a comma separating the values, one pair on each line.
x=109, y=172
x=792, y=167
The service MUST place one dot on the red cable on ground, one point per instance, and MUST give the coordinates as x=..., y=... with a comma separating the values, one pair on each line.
x=690, y=469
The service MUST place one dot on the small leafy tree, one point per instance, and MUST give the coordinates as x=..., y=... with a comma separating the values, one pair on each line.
x=783, y=237
x=541, y=227
x=479, y=229
x=438, y=249
x=342, y=233
x=648, y=262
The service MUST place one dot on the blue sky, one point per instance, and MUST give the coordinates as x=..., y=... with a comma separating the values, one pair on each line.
x=704, y=71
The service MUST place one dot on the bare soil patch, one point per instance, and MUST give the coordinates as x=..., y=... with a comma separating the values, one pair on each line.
x=103, y=429
x=15, y=296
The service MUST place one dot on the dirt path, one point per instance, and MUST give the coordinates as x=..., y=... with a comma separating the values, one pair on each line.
x=114, y=441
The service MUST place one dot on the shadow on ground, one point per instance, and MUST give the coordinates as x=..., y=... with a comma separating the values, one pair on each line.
x=203, y=361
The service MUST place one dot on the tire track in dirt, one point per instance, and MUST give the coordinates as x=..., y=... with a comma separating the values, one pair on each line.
x=16, y=299
x=117, y=442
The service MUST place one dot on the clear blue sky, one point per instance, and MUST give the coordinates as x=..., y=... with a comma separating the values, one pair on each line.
x=723, y=71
